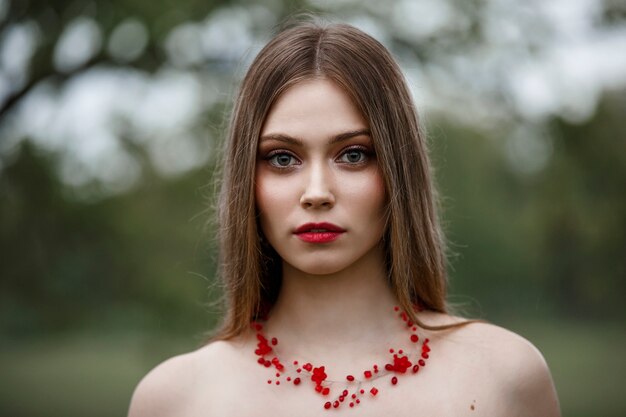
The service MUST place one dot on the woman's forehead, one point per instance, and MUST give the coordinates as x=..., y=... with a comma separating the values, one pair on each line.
x=314, y=107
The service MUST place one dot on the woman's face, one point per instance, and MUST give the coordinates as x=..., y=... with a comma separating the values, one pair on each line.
x=316, y=164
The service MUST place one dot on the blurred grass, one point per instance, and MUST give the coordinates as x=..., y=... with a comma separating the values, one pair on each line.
x=587, y=363
x=81, y=374
x=95, y=374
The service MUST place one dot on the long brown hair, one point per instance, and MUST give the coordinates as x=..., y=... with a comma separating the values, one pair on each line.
x=364, y=68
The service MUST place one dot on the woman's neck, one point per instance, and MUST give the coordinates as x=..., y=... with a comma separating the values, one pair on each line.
x=352, y=307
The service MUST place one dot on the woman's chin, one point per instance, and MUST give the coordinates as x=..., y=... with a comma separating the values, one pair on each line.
x=322, y=267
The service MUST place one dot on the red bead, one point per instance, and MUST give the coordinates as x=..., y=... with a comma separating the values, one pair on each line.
x=262, y=347
x=414, y=328
x=327, y=405
x=261, y=361
x=350, y=378
x=288, y=378
x=345, y=393
x=362, y=391
x=277, y=382
x=400, y=352
x=394, y=380
x=269, y=381
x=341, y=398
x=358, y=401
x=400, y=364
x=414, y=338
x=318, y=388
x=353, y=396
x=391, y=350
x=296, y=381
x=416, y=368
x=307, y=367
x=421, y=362
x=374, y=391
x=351, y=404
x=375, y=367
x=336, y=404
x=425, y=355
x=318, y=375
x=298, y=370
x=396, y=308
x=368, y=374
x=267, y=364
x=295, y=362
x=389, y=367
x=274, y=341
x=325, y=391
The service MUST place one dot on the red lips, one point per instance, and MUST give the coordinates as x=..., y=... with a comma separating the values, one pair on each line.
x=318, y=232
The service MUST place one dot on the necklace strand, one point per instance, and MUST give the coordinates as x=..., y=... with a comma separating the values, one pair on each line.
x=353, y=390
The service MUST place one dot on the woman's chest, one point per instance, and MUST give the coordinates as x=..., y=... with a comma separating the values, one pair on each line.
x=246, y=392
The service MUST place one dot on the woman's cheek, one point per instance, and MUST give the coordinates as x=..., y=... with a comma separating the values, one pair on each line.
x=273, y=199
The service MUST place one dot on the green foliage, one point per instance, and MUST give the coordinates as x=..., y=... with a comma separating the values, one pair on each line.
x=68, y=262
x=549, y=243
x=581, y=208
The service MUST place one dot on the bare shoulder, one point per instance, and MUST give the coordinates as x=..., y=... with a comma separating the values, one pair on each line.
x=171, y=388
x=511, y=365
x=504, y=350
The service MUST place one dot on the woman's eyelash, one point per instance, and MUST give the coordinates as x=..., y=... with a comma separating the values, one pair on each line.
x=365, y=151
x=270, y=156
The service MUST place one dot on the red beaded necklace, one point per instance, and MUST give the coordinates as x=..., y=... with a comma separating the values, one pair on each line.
x=352, y=392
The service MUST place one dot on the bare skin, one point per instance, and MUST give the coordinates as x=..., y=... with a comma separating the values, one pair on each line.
x=477, y=370
x=335, y=307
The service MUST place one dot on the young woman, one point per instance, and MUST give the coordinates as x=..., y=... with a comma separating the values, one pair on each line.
x=333, y=260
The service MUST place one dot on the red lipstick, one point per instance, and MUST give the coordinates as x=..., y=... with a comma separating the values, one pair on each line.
x=318, y=232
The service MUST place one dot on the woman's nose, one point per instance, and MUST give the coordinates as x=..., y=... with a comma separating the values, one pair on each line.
x=318, y=186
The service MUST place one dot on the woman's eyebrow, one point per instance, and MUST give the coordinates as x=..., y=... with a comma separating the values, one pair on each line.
x=347, y=135
x=298, y=142
x=281, y=138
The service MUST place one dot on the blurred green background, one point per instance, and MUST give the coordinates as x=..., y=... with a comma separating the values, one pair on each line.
x=110, y=116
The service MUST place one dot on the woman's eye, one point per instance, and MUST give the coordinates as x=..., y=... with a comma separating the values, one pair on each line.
x=281, y=160
x=354, y=156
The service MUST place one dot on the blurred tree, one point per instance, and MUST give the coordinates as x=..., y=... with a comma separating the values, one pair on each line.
x=67, y=262
x=582, y=207
x=548, y=243
x=49, y=21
